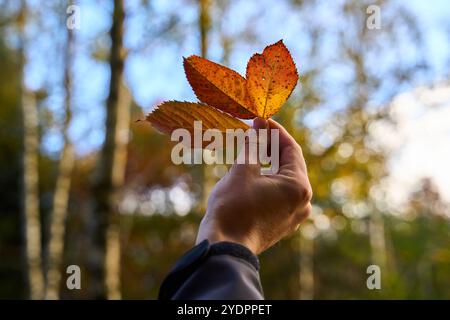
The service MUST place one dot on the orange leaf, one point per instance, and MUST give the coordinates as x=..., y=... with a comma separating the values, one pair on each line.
x=271, y=77
x=171, y=115
x=218, y=86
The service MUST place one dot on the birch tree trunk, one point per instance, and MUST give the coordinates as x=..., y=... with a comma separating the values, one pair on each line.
x=58, y=216
x=30, y=198
x=112, y=166
x=30, y=177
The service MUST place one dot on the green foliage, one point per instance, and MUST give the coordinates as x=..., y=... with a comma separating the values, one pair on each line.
x=10, y=164
x=416, y=243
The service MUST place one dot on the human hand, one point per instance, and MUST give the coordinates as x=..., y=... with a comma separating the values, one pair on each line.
x=257, y=210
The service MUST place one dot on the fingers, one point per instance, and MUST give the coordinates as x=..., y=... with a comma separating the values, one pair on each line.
x=247, y=160
x=300, y=216
x=285, y=138
x=291, y=159
x=259, y=123
x=293, y=176
x=291, y=156
x=303, y=214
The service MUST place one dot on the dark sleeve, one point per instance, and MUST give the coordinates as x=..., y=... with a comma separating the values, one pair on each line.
x=223, y=270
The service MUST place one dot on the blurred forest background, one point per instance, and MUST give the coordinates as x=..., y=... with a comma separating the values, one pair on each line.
x=83, y=183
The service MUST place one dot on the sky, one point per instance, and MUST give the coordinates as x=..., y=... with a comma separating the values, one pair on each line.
x=418, y=143
x=417, y=147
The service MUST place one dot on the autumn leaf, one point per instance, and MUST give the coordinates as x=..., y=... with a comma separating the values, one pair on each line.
x=271, y=77
x=219, y=86
x=171, y=115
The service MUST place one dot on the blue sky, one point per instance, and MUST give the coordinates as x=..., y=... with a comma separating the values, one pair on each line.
x=156, y=73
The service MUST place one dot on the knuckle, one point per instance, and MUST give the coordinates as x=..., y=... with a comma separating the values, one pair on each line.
x=297, y=192
x=303, y=214
x=303, y=193
x=308, y=193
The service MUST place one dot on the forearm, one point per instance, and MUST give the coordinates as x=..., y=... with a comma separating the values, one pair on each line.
x=219, y=271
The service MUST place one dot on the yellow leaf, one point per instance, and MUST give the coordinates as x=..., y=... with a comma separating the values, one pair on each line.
x=172, y=115
x=271, y=77
x=218, y=86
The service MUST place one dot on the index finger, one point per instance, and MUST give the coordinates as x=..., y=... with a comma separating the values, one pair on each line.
x=291, y=155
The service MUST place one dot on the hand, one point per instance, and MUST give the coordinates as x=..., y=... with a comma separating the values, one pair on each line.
x=257, y=210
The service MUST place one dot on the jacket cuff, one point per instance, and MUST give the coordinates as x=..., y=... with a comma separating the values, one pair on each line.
x=192, y=259
x=236, y=250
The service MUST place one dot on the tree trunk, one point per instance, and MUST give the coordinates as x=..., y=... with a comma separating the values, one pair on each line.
x=62, y=190
x=111, y=171
x=35, y=278
x=30, y=178
x=204, y=26
x=306, y=268
x=378, y=241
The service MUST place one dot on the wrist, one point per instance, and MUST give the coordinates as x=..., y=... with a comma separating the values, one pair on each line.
x=215, y=236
